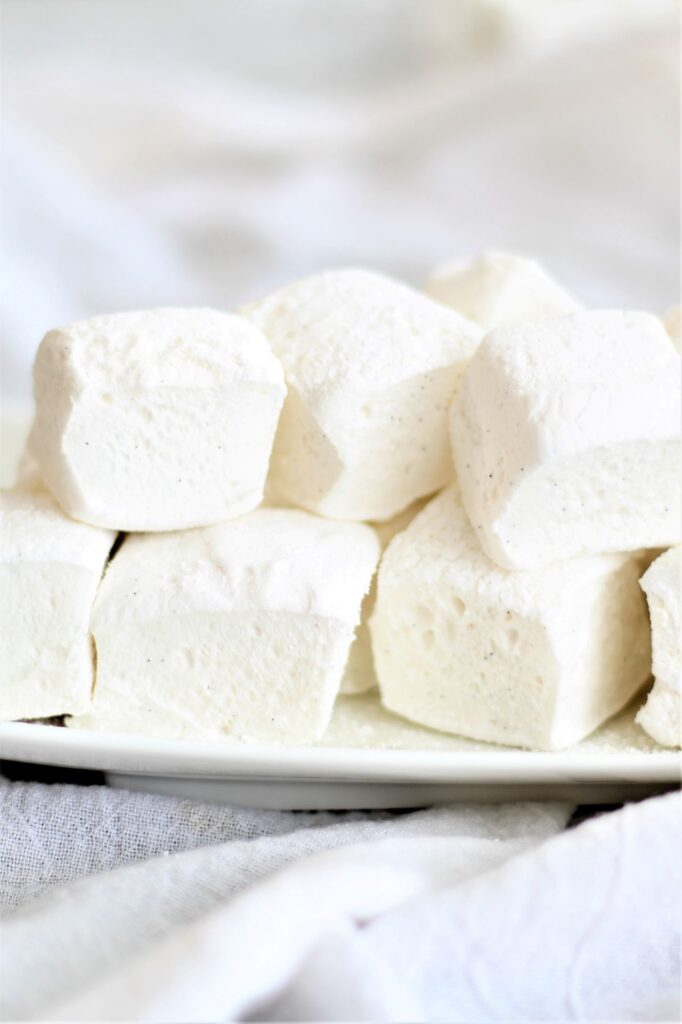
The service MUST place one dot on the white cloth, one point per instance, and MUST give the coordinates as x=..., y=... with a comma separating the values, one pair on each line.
x=254, y=143
x=136, y=907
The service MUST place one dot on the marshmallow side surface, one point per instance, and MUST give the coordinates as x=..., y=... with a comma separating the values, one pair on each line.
x=534, y=659
x=661, y=715
x=499, y=289
x=371, y=366
x=566, y=438
x=240, y=629
x=359, y=675
x=50, y=569
x=156, y=420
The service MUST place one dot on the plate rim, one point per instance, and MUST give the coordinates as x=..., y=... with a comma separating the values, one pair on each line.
x=216, y=758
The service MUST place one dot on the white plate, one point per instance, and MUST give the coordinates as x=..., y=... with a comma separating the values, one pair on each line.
x=368, y=758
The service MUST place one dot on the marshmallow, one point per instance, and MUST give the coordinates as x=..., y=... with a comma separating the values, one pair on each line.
x=156, y=420
x=566, y=438
x=50, y=569
x=499, y=289
x=672, y=322
x=534, y=659
x=372, y=366
x=240, y=629
x=662, y=583
x=359, y=675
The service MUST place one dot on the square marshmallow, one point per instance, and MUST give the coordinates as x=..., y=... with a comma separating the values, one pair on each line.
x=499, y=289
x=661, y=716
x=50, y=569
x=156, y=420
x=533, y=659
x=372, y=366
x=566, y=438
x=241, y=629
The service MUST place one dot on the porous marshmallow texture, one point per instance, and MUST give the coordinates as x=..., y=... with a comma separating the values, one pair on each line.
x=241, y=629
x=359, y=675
x=533, y=659
x=50, y=569
x=371, y=366
x=566, y=438
x=499, y=289
x=157, y=420
x=661, y=716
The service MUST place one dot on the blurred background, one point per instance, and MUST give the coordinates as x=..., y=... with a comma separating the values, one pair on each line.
x=176, y=152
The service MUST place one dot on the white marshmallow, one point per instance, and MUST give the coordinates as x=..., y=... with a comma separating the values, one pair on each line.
x=566, y=438
x=661, y=716
x=535, y=659
x=240, y=629
x=50, y=569
x=371, y=366
x=156, y=420
x=499, y=289
x=359, y=675
x=673, y=325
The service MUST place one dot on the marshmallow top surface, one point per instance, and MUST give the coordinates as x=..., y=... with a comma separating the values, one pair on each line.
x=588, y=379
x=187, y=348
x=584, y=349
x=157, y=420
x=358, y=330
x=535, y=658
x=440, y=544
x=271, y=559
x=33, y=528
x=499, y=289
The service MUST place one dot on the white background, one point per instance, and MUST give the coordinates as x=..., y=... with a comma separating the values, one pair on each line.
x=201, y=152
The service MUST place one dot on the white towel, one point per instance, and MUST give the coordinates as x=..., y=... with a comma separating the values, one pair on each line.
x=256, y=143
x=137, y=907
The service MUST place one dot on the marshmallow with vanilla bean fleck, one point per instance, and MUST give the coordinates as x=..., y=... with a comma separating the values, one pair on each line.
x=371, y=366
x=566, y=438
x=240, y=629
x=157, y=420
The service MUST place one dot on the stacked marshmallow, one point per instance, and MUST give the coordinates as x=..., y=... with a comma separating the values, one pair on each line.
x=515, y=458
